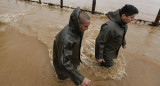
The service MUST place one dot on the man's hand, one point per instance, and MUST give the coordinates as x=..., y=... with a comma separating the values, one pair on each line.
x=100, y=60
x=124, y=47
x=85, y=82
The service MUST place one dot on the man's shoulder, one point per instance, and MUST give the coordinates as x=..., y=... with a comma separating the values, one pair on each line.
x=109, y=25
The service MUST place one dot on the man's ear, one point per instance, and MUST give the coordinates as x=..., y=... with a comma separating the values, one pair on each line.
x=123, y=16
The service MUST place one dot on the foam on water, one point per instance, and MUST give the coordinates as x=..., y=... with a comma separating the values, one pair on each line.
x=11, y=17
x=2, y=29
x=117, y=71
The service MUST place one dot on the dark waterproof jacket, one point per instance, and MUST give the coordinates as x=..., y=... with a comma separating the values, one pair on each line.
x=111, y=37
x=67, y=46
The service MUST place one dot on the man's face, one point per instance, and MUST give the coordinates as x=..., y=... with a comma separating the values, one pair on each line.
x=127, y=19
x=85, y=25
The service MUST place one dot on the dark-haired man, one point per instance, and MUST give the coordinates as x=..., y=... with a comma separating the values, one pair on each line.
x=66, y=49
x=112, y=35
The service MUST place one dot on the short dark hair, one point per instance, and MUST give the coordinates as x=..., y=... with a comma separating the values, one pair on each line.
x=128, y=10
x=83, y=16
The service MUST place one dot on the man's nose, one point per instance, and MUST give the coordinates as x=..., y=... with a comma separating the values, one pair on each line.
x=132, y=19
x=87, y=28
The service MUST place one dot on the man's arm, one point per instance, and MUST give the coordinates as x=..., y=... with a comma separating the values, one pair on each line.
x=101, y=40
x=124, y=43
x=124, y=39
x=66, y=53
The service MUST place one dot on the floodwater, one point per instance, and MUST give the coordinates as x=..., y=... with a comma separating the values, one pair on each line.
x=148, y=8
x=27, y=31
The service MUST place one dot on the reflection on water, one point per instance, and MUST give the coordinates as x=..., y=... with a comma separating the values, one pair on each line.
x=27, y=31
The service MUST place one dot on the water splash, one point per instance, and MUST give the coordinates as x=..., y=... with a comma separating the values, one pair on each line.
x=117, y=71
x=11, y=17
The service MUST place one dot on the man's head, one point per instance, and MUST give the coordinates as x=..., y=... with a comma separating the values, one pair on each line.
x=84, y=20
x=128, y=12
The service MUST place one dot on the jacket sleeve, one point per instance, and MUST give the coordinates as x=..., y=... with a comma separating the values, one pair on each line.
x=66, y=53
x=124, y=39
x=124, y=42
x=101, y=40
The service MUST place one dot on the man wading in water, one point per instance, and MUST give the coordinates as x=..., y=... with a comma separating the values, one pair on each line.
x=112, y=35
x=66, y=49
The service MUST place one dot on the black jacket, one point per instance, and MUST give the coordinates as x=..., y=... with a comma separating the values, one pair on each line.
x=111, y=37
x=67, y=46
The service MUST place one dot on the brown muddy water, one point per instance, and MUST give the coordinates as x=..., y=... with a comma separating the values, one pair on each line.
x=27, y=31
x=148, y=8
